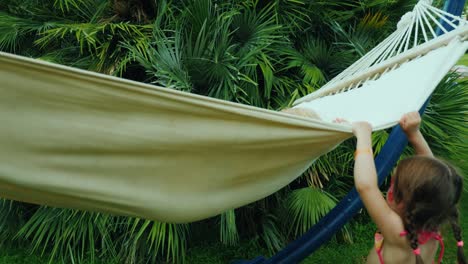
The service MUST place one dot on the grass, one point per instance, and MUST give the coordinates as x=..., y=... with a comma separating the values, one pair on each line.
x=463, y=60
x=217, y=254
x=10, y=255
x=21, y=255
x=356, y=252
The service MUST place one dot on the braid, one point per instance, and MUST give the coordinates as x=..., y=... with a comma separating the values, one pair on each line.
x=413, y=236
x=454, y=215
x=458, y=235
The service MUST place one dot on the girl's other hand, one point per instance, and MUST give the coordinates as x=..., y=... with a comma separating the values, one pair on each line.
x=410, y=123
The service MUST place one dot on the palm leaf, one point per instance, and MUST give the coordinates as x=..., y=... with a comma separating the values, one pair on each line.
x=155, y=239
x=258, y=41
x=306, y=206
x=14, y=32
x=69, y=234
x=164, y=62
x=293, y=14
x=12, y=217
x=228, y=228
x=445, y=121
x=271, y=234
x=67, y=5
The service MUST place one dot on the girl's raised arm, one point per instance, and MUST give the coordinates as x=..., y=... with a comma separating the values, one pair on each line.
x=365, y=179
x=410, y=124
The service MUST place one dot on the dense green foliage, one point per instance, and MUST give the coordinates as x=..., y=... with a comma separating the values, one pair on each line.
x=261, y=53
x=214, y=253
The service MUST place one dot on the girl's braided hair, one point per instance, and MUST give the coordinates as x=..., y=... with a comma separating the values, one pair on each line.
x=430, y=189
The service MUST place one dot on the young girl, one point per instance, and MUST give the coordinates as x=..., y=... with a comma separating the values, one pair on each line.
x=423, y=195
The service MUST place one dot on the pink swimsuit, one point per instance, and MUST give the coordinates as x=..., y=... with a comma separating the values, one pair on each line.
x=423, y=238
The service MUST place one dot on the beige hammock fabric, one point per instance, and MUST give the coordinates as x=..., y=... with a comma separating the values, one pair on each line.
x=77, y=139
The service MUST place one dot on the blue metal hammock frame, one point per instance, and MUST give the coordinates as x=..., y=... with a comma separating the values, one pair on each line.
x=323, y=231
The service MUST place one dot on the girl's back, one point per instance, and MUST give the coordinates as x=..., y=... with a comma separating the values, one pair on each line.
x=398, y=254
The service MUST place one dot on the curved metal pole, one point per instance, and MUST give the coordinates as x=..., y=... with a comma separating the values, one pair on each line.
x=351, y=204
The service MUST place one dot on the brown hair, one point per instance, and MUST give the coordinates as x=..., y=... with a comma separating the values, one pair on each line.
x=430, y=190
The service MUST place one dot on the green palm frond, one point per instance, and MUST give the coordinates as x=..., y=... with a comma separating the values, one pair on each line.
x=221, y=72
x=445, y=123
x=66, y=5
x=379, y=138
x=271, y=234
x=91, y=36
x=58, y=10
x=165, y=15
x=310, y=54
x=355, y=38
x=254, y=31
x=198, y=14
x=331, y=167
x=339, y=11
x=318, y=60
x=102, y=45
x=68, y=56
x=69, y=234
x=259, y=43
x=164, y=61
x=154, y=240
x=293, y=14
x=210, y=61
x=373, y=22
x=16, y=32
x=285, y=91
x=89, y=11
x=306, y=206
x=85, y=34
x=12, y=217
x=228, y=228
x=397, y=8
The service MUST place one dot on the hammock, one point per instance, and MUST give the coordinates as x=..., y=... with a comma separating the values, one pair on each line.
x=77, y=139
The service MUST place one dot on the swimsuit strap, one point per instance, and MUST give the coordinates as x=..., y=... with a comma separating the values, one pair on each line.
x=435, y=236
x=378, y=244
x=438, y=237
